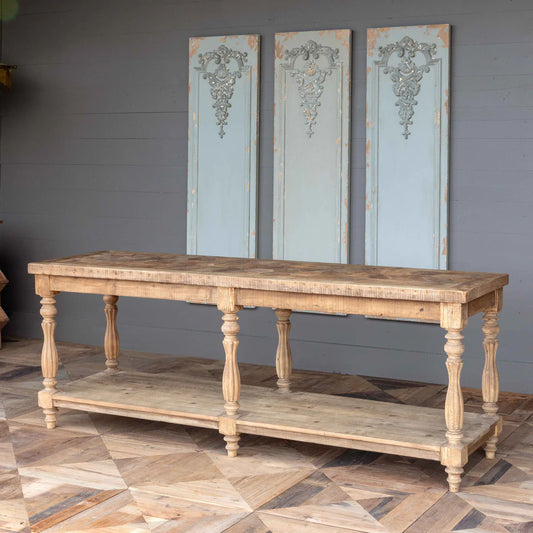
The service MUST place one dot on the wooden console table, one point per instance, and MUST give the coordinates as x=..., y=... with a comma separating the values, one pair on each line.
x=444, y=297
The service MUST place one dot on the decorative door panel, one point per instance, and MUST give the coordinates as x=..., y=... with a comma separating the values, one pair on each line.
x=407, y=146
x=312, y=145
x=223, y=135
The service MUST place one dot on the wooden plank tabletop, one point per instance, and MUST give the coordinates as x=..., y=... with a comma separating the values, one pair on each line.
x=271, y=275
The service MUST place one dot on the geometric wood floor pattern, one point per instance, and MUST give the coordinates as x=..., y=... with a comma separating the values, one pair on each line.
x=103, y=473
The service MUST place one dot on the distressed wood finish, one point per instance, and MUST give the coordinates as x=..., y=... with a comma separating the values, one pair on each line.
x=223, y=144
x=283, y=353
x=407, y=146
x=490, y=381
x=231, y=379
x=49, y=359
x=192, y=272
x=454, y=407
x=312, y=145
x=448, y=298
x=111, y=340
x=305, y=416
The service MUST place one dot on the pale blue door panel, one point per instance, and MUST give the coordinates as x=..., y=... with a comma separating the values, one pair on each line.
x=223, y=135
x=311, y=146
x=407, y=146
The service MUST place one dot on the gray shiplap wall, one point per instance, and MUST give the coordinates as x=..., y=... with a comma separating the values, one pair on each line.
x=94, y=155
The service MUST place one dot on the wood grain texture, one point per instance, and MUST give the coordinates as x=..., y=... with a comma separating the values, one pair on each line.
x=283, y=353
x=271, y=275
x=490, y=381
x=111, y=339
x=49, y=360
x=454, y=408
x=302, y=416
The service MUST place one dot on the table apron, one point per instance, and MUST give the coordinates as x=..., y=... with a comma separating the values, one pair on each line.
x=326, y=303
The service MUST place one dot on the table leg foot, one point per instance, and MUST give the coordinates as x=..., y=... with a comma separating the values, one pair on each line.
x=50, y=418
x=454, y=477
x=232, y=444
x=228, y=427
x=490, y=447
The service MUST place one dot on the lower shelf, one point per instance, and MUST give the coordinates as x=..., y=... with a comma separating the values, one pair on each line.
x=320, y=418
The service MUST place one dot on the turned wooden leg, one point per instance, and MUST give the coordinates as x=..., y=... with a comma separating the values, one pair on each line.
x=231, y=379
x=111, y=340
x=490, y=382
x=454, y=409
x=49, y=360
x=283, y=353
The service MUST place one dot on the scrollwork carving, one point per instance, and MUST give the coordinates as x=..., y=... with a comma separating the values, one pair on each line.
x=222, y=79
x=407, y=75
x=310, y=79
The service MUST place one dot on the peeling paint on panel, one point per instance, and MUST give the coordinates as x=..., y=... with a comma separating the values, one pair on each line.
x=279, y=49
x=444, y=246
x=372, y=35
x=194, y=44
x=443, y=33
x=346, y=237
x=344, y=37
x=288, y=35
x=253, y=42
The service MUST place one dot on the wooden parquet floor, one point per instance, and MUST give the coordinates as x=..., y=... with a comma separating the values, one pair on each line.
x=103, y=473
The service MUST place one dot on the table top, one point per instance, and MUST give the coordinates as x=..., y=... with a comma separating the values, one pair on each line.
x=272, y=275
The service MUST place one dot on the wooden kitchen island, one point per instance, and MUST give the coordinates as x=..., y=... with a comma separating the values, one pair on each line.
x=444, y=297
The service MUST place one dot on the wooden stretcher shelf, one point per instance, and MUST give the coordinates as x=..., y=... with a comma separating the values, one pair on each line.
x=324, y=419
